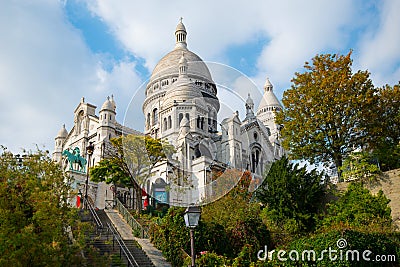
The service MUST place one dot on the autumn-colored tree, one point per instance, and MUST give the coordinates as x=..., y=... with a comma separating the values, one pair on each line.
x=128, y=162
x=328, y=110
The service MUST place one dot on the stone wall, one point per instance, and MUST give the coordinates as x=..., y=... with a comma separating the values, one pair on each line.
x=390, y=185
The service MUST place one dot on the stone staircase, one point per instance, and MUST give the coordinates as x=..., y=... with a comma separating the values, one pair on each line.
x=107, y=241
x=139, y=256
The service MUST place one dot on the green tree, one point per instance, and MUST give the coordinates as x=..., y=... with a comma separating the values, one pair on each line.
x=226, y=228
x=35, y=216
x=387, y=128
x=347, y=240
x=239, y=216
x=328, y=110
x=128, y=162
x=292, y=195
x=359, y=209
x=360, y=166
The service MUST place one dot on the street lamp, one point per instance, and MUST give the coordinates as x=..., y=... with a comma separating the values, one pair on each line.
x=192, y=217
x=89, y=152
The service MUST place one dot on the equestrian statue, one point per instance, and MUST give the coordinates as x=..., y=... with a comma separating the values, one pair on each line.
x=75, y=157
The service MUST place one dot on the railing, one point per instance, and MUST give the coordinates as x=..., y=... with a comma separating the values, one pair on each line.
x=96, y=218
x=123, y=249
x=137, y=228
x=109, y=204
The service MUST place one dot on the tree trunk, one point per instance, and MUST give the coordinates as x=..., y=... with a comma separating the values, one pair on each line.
x=339, y=162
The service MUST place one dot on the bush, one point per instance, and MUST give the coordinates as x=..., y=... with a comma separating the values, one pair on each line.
x=207, y=259
x=359, y=209
x=171, y=236
x=340, y=242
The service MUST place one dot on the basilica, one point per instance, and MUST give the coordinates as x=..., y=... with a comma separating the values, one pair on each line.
x=181, y=107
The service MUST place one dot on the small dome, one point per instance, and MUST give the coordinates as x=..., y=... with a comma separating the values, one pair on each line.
x=268, y=84
x=62, y=133
x=249, y=100
x=269, y=99
x=108, y=105
x=180, y=26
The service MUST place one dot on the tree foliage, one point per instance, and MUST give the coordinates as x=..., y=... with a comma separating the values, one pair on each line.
x=35, y=214
x=360, y=166
x=386, y=148
x=129, y=160
x=377, y=243
x=359, y=209
x=227, y=227
x=328, y=110
x=292, y=195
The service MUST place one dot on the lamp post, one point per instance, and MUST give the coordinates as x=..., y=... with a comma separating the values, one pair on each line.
x=192, y=216
x=89, y=152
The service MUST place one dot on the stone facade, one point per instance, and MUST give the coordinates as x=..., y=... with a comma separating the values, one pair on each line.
x=89, y=128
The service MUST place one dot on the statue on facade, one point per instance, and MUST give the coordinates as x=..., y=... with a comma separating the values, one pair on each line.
x=75, y=157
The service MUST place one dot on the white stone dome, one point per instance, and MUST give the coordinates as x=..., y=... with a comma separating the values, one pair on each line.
x=62, y=133
x=269, y=100
x=108, y=105
x=168, y=65
x=180, y=26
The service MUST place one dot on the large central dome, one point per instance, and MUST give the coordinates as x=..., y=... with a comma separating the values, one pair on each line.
x=167, y=66
x=170, y=92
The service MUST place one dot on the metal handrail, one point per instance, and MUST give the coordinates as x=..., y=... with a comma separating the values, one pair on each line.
x=130, y=219
x=128, y=255
x=123, y=248
x=94, y=213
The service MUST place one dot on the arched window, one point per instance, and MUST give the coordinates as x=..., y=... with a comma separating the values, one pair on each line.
x=237, y=156
x=169, y=122
x=165, y=124
x=255, y=160
x=198, y=121
x=148, y=120
x=180, y=117
x=155, y=116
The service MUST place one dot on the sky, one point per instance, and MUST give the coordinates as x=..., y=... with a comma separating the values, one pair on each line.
x=54, y=52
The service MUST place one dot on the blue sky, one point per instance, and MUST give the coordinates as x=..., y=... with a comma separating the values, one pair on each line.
x=54, y=52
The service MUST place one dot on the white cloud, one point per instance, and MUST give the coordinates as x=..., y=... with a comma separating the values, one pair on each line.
x=45, y=69
x=379, y=48
x=46, y=66
x=295, y=30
